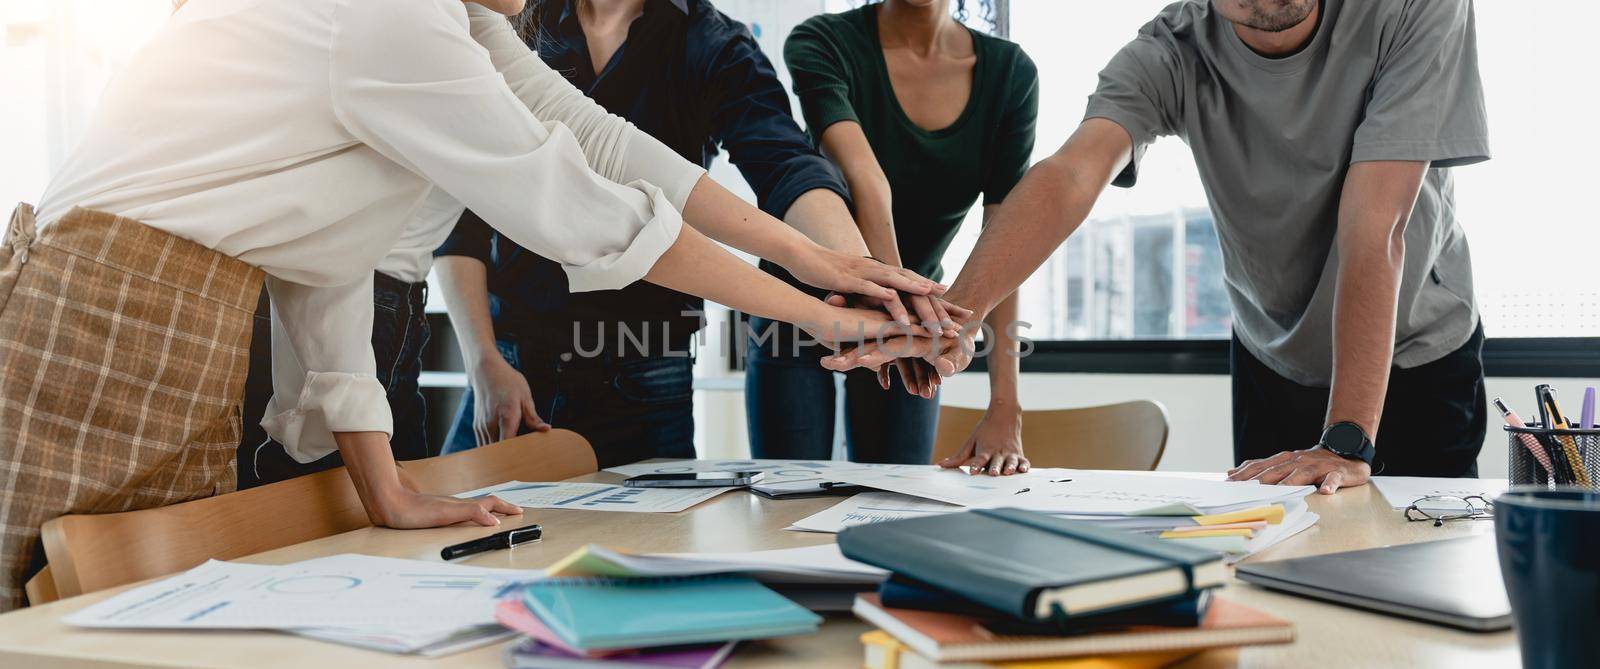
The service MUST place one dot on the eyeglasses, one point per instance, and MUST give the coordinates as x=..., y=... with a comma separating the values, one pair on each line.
x=1440, y=508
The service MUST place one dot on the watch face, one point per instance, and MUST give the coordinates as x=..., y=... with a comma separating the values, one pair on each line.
x=1344, y=439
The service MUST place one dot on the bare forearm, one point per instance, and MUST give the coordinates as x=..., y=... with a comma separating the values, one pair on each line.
x=719, y=214
x=1004, y=361
x=875, y=221
x=1048, y=204
x=1373, y=210
x=845, y=143
x=696, y=266
x=821, y=215
x=372, y=470
x=466, y=296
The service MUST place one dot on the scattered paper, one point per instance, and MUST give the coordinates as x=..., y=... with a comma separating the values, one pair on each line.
x=343, y=595
x=1075, y=491
x=783, y=476
x=870, y=507
x=812, y=564
x=596, y=496
x=1401, y=491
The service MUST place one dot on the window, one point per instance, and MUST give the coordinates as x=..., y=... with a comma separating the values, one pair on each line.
x=55, y=57
x=1146, y=264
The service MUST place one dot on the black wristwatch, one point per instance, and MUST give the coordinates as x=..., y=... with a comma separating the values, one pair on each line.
x=1348, y=440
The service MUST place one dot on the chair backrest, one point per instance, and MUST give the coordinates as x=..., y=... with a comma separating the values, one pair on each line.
x=550, y=456
x=41, y=588
x=95, y=551
x=1127, y=436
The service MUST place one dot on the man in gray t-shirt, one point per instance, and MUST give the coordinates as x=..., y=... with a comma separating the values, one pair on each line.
x=1324, y=133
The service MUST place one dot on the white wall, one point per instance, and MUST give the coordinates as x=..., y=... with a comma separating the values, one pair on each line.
x=1198, y=407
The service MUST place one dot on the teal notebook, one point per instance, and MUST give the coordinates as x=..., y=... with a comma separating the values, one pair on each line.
x=609, y=613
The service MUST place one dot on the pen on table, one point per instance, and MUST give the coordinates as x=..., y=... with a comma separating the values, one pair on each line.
x=492, y=542
x=1527, y=440
x=1580, y=473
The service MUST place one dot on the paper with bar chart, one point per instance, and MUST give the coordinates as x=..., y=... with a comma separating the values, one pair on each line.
x=596, y=496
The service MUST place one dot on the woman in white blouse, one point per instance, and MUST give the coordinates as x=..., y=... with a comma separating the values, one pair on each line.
x=294, y=138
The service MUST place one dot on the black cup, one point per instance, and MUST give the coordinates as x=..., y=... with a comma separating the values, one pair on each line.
x=1549, y=543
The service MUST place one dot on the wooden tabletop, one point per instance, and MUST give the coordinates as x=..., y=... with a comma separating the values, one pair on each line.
x=1327, y=635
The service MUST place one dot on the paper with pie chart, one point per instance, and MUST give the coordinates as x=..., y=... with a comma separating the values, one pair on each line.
x=339, y=591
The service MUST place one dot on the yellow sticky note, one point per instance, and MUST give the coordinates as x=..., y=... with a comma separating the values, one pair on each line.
x=583, y=562
x=1272, y=513
x=1196, y=534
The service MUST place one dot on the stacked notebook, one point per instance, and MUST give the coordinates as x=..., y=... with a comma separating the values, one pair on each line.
x=605, y=609
x=1006, y=584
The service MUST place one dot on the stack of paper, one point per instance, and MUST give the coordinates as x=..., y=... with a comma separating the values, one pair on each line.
x=821, y=565
x=1139, y=503
x=785, y=478
x=401, y=606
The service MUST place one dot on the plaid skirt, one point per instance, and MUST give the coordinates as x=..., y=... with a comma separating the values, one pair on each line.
x=123, y=352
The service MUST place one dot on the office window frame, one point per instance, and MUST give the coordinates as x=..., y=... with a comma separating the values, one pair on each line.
x=1555, y=357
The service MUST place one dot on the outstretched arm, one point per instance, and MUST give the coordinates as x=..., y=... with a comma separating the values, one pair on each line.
x=1045, y=207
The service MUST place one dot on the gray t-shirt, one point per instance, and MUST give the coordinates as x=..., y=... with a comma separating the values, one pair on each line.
x=1380, y=80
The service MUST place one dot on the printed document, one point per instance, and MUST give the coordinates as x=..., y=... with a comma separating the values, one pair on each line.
x=596, y=496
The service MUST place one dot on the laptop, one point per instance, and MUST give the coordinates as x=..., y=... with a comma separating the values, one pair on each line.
x=1455, y=582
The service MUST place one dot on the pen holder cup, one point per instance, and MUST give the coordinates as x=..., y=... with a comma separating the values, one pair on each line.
x=1574, y=455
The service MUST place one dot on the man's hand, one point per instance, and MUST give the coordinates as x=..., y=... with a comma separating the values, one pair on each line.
x=995, y=446
x=916, y=376
x=1316, y=466
x=502, y=402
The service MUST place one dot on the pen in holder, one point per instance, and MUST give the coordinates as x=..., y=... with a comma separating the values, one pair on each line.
x=1550, y=457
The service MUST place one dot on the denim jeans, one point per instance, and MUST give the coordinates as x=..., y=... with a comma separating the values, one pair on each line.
x=789, y=405
x=399, y=332
x=629, y=408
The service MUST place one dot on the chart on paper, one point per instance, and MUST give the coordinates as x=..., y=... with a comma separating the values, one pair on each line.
x=782, y=476
x=341, y=591
x=870, y=507
x=596, y=496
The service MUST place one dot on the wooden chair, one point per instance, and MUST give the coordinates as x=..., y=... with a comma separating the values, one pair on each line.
x=41, y=589
x=551, y=456
x=1128, y=436
x=95, y=551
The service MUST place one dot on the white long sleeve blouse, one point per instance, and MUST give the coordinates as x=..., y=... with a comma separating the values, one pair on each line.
x=301, y=137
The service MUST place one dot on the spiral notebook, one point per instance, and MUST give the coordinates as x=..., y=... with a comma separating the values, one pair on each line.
x=607, y=613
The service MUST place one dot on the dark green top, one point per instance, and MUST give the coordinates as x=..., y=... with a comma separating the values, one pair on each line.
x=840, y=75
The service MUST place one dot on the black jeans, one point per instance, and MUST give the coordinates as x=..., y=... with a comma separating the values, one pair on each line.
x=399, y=332
x=629, y=408
x=789, y=406
x=1433, y=421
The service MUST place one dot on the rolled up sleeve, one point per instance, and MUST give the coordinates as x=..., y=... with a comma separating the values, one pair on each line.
x=411, y=83
x=615, y=148
x=324, y=376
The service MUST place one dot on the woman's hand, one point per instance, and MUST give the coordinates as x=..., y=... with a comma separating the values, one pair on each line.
x=834, y=326
x=995, y=446
x=405, y=509
x=916, y=376
x=845, y=273
x=502, y=402
x=947, y=356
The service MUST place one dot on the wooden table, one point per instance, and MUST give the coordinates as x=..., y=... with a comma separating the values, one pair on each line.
x=1327, y=635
